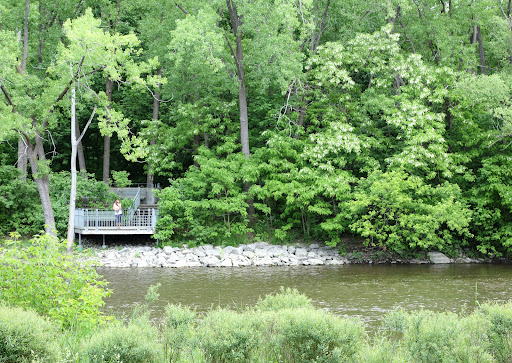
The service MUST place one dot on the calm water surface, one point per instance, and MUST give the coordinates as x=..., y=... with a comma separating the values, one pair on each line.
x=365, y=291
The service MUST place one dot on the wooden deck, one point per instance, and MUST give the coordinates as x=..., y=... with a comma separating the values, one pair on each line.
x=140, y=221
x=125, y=230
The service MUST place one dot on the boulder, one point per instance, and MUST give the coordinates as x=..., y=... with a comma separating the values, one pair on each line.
x=301, y=253
x=438, y=257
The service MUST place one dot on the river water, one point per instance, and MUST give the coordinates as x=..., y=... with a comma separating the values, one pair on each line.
x=365, y=291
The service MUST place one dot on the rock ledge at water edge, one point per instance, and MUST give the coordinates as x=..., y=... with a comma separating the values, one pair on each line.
x=254, y=254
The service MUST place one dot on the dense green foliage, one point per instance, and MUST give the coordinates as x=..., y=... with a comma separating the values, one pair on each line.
x=389, y=121
x=20, y=208
x=283, y=327
x=117, y=343
x=42, y=277
x=27, y=337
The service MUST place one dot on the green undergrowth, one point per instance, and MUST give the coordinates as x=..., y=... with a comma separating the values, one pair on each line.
x=281, y=327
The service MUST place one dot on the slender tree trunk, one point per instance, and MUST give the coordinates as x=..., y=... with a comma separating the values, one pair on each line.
x=80, y=151
x=156, y=115
x=22, y=147
x=76, y=139
x=106, y=141
x=238, y=56
x=40, y=45
x=43, y=187
x=244, y=119
x=25, y=38
x=473, y=40
x=72, y=193
x=22, y=158
x=481, y=52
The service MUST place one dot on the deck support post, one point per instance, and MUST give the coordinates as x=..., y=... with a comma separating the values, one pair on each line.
x=80, y=240
x=104, y=245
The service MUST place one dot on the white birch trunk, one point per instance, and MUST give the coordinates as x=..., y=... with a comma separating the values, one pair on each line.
x=72, y=194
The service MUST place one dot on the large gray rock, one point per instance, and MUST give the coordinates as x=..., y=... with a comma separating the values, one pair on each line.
x=335, y=262
x=261, y=253
x=314, y=262
x=179, y=264
x=213, y=252
x=142, y=263
x=266, y=261
x=230, y=249
x=438, y=257
x=226, y=262
x=211, y=261
x=301, y=253
x=249, y=254
x=194, y=264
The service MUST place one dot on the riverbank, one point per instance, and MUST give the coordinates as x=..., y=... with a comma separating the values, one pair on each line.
x=257, y=254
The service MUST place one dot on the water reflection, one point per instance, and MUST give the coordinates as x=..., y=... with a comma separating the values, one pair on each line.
x=366, y=291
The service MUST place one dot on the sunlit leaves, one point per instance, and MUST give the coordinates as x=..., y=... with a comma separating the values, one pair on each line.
x=401, y=212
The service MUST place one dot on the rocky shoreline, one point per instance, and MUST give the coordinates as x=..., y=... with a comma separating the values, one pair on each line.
x=253, y=254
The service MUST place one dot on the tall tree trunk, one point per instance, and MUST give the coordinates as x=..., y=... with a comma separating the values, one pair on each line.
x=156, y=115
x=473, y=40
x=72, y=193
x=25, y=38
x=481, y=52
x=76, y=139
x=80, y=151
x=43, y=185
x=22, y=158
x=106, y=141
x=22, y=147
x=238, y=56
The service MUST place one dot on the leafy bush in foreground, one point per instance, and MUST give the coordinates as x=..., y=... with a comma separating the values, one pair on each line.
x=227, y=336
x=312, y=335
x=441, y=337
x=499, y=330
x=179, y=323
x=20, y=207
x=275, y=330
x=286, y=299
x=44, y=278
x=26, y=337
x=137, y=342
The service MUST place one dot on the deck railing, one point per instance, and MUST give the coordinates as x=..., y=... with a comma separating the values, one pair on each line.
x=98, y=219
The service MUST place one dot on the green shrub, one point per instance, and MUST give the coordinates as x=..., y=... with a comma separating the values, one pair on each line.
x=312, y=335
x=20, y=206
x=441, y=337
x=26, y=337
x=227, y=336
x=44, y=278
x=121, y=178
x=207, y=205
x=499, y=330
x=383, y=351
x=137, y=342
x=179, y=324
x=287, y=299
x=404, y=213
x=90, y=193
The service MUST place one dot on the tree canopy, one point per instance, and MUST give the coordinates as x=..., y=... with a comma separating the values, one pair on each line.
x=278, y=120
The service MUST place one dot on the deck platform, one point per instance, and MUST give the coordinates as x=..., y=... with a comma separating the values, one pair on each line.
x=115, y=231
x=139, y=221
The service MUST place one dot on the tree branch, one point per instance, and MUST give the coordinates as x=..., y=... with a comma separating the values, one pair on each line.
x=87, y=125
x=8, y=98
x=181, y=8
